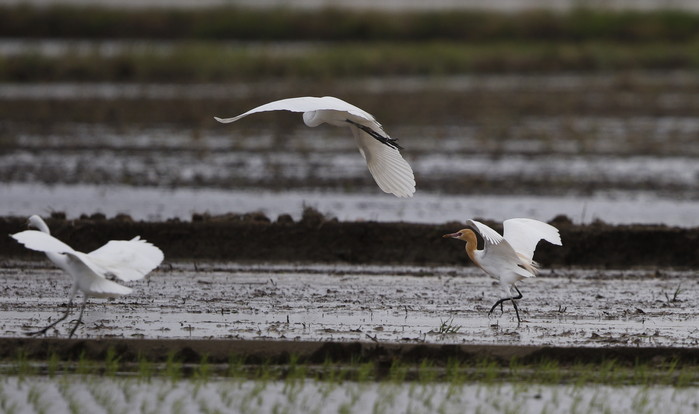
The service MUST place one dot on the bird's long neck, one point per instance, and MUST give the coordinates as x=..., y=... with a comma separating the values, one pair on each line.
x=471, y=245
x=41, y=225
x=58, y=259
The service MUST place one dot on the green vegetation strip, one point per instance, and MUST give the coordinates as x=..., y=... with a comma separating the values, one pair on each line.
x=283, y=24
x=277, y=360
x=220, y=62
x=213, y=45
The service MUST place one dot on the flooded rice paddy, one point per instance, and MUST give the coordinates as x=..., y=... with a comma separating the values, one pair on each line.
x=265, y=305
x=481, y=146
x=341, y=303
x=619, y=148
x=99, y=394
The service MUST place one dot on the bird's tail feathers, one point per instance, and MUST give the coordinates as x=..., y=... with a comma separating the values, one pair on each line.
x=530, y=266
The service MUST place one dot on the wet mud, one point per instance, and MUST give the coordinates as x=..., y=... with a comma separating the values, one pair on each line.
x=345, y=311
x=254, y=237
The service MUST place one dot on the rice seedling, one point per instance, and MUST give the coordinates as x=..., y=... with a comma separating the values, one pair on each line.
x=145, y=368
x=84, y=366
x=365, y=372
x=235, y=366
x=202, y=371
x=52, y=365
x=426, y=372
x=675, y=294
x=447, y=327
x=173, y=368
x=397, y=372
x=22, y=365
x=111, y=363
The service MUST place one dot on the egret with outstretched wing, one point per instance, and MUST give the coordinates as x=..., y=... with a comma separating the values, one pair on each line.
x=125, y=259
x=381, y=152
x=507, y=258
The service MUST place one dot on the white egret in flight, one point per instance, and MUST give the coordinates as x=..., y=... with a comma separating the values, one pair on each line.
x=381, y=152
x=126, y=259
x=507, y=258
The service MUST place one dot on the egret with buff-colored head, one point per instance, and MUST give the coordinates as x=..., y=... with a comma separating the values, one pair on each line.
x=507, y=258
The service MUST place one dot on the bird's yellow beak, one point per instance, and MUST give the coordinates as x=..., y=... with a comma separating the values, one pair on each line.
x=452, y=235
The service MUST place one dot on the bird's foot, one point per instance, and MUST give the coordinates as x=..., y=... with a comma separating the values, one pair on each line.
x=35, y=333
x=75, y=327
x=391, y=142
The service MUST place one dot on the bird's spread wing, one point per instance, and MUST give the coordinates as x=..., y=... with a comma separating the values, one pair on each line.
x=524, y=234
x=127, y=259
x=41, y=242
x=90, y=281
x=304, y=104
x=489, y=235
x=498, y=251
x=89, y=275
x=391, y=172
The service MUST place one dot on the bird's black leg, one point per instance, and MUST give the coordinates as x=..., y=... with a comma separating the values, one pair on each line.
x=499, y=302
x=519, y=296
x=513, y=298
x=65, y=315
x=382, y=139
x=80, y=317
x=516, y=311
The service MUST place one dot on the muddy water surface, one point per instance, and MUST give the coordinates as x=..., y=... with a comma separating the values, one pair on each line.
x=358, y=303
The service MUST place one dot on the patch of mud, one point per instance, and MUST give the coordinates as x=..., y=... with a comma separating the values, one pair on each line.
x=377, y=305
x=315, y=238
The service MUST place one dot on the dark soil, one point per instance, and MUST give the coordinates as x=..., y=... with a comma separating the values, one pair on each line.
x=254, y=237
x=220, y=351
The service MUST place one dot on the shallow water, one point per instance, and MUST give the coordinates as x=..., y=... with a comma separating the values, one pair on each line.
x=632, y=160
x=361, y=303
x=159, y=204
x=98, y=394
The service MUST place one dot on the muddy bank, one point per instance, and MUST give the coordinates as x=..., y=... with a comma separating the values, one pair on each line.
x=220, y=351
x=255, y=237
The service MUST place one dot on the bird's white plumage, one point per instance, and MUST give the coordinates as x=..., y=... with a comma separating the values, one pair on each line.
x=390, y=171
x=90, y=282
x=41, y=242
x=489, y=235
x=507, y=258
x=125, y=259
x=524, y=234
x=305, y=104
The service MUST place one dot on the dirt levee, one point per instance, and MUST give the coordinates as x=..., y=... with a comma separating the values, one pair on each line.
x=220, y=351
x=254, y=237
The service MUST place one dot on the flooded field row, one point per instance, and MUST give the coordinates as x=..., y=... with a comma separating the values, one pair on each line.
x=331, y=303
x=160, y=204
x=676, y=177
x=98, y=394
